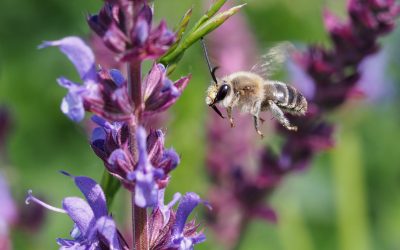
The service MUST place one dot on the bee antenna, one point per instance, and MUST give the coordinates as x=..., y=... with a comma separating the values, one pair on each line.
x=211, y=69
x=213, y=74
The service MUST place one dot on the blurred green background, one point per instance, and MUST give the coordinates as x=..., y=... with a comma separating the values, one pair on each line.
x=348, y=199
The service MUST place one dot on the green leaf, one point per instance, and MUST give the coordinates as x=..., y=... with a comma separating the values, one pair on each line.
x=180, y=30
x=110, y=186
x=214, y=8
x=202, y=30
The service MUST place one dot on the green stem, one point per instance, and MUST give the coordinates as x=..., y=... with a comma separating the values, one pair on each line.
x=110, y=186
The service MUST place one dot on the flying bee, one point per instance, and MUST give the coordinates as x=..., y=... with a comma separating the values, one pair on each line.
x=252, y=92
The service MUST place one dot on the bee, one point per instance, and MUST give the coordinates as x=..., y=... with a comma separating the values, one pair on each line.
x=253, y=92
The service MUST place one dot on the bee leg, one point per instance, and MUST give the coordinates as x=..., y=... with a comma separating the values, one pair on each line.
x=229, y=112
x=257, y=125
x=278, y=114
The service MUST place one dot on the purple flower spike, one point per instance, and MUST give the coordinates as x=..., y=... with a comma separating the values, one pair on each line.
x=180, y=239
x=93, y=228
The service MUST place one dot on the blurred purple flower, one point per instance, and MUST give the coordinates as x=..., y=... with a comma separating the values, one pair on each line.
x=5, y=127
x=93, y=227
x=328, y=78
x=8, y=213
x=373, y=70
x=132, y=40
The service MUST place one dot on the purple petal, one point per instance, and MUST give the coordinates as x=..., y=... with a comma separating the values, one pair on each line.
x=188, y=202
x=166, y=209
x=140, y=32
x=101, y=122
x=8, y=211
x=182, y=82
x=119, y=158
x=80, y=212
x=373, y=70
x=146, y=189
x=78, y=53
x=152, y=79
x=117, y=77
x=105, y=226
x=187, y=243
x=67, y=243
x=98, y=134
x=72, y=106
x=143, y=162
x=266, y=213
x=155, y=145
x=93, y=194
x=301, y=80
x=170, y=160
x=68, y=84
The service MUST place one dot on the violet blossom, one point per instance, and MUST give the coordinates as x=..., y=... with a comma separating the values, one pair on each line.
x=169, y=228
x=8, y=213
x=93, y=227
x=131, y=41
x=147, y=174
x=105, y=92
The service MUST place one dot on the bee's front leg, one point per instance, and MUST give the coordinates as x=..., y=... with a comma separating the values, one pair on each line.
x=229, y=112
x=278, y=114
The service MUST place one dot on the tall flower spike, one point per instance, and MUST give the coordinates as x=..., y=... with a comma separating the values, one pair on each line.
x=8, y=213
x=93, y=227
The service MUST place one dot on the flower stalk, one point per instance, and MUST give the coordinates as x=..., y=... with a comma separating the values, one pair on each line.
x=133, y=157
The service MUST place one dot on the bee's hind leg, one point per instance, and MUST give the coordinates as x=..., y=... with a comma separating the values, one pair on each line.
x=229, y=112
x=278, y=114
x=256, y=116
x=257, y=125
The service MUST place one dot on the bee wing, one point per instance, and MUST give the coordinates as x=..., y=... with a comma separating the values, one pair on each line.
x=272, y=61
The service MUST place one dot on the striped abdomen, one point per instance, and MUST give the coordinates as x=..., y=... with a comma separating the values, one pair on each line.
x=288, y=98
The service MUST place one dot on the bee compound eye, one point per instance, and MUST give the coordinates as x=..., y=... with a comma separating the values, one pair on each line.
x=222, y=92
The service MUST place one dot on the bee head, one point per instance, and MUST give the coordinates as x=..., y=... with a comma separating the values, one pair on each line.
x=216, y=93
